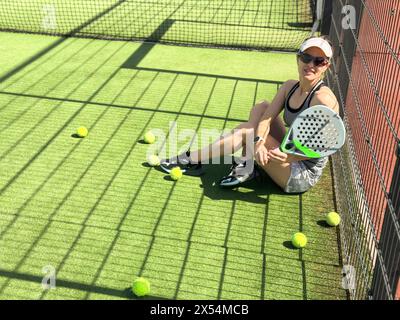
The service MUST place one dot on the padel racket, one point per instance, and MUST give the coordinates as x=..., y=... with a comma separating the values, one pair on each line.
x=317, y=132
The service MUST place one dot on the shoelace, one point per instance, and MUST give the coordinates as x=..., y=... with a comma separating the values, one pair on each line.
x=258, y=175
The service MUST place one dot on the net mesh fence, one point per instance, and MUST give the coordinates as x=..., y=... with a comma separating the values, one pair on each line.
x=365, y=76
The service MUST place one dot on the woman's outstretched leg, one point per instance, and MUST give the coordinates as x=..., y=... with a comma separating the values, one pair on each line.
x=240, y=137
x=190, y=162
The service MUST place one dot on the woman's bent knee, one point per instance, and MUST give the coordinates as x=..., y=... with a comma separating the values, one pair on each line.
x=248, y=133
x=257, y=112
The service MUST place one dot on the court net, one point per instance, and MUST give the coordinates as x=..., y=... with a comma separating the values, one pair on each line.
x=251, y=24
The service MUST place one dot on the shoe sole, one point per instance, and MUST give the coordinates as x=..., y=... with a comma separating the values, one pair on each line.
x=169, y=171
x=230, y=185
x=185, y=172
x=236, y=184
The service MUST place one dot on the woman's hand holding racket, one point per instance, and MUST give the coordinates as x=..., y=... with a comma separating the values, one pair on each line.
x=261, y=154
x=277, y=156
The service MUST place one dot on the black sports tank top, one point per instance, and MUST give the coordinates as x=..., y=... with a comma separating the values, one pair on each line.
x=314, y=165
x=290, y=114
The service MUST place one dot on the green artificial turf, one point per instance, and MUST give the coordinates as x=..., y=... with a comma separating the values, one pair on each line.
x=92, y=209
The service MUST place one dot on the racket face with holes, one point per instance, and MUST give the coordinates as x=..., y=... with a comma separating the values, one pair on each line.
x=317, y=132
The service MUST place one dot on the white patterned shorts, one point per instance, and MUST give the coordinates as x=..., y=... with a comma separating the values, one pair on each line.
x=301, y=178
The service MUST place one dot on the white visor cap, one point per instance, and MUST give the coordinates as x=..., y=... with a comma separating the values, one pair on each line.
x=319, y=43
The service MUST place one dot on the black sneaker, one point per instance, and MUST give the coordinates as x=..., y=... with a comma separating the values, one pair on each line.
x=239, y=174
x=183, y=162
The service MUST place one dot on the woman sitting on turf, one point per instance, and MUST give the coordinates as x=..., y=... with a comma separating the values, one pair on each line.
x=292, y=173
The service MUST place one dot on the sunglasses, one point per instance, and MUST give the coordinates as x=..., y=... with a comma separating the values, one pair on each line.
x=318, y=61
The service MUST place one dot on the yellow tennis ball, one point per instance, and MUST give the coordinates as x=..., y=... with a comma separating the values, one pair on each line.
x=154, y=161
x=82, y=132
x=176, y=173
x=333, y=219
x=141, y=287
x=299, y=240
x=149, y=137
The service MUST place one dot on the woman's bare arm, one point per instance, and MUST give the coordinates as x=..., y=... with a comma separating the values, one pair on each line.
x=276, y=106
x=273, y=111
